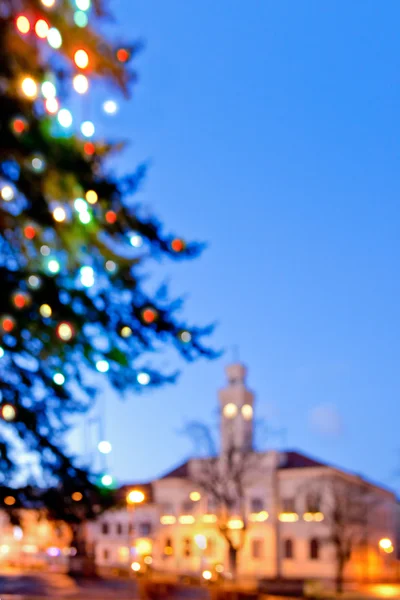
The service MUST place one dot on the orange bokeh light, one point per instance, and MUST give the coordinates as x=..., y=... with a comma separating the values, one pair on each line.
x=8, y=324
x=177, y=245
x=29, y=232
x=89, y=148
x=111, y=217
x=123, y=55
x=149, y=315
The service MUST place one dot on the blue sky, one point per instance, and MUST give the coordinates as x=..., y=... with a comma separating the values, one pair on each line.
x=273, y=134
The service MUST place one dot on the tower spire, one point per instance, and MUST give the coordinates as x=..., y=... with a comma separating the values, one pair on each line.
x=236, y=402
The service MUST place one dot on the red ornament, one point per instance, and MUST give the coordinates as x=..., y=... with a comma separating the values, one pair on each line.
x=29, y=232
x=177, y=245
x=89, y=148
x=111, y=217
x=123, y=55
x=19, y=125
x=149, y=315
x=7, y=323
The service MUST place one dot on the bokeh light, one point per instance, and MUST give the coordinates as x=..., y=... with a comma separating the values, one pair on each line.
x=45, y=311
x=81, y=59
x=23, y=24
x=54, y=38
x=58, y=378
x=29, y=87
x=81, y=84
x=65, y=332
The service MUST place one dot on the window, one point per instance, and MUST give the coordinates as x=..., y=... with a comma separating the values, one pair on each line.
x=314, y=549
x=288, y=548
x=104, y=528
x=119, y=529
x=167, y=508
x=187, y=547
x=168, y=547
x=257, y=505
x=211, y=505
x=209, y=551
x=145, y=528
x=288, y=505
x=106, y=554
x=187, y=507
x=313, y=503
x=257, y=548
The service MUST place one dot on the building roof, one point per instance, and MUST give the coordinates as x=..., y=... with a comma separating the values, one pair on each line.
x=180, y=472
x=297, y=460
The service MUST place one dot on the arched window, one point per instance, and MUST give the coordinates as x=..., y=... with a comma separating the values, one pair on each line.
x=314, y=549
x=288, y=548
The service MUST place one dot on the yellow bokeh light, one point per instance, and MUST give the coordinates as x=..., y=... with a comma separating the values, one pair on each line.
x=45, y=311
x=195, y=496
x=186, y=520
x=167, y=519
x=29, y=87
x=59, y=214
x=230, y=410
x=235, y=524
x=135, y=566
x=76, y=496
x=143, y=547
x=91, y=197
x=135, y=497
x=81, y=59
x=9, y=500
x=207, y=575
x=81, y=84
x=247, y=412
x=385, y=543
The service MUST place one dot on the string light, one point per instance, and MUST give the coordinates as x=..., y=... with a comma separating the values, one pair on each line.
x=48, y=89
x=89, y=148
x=111, y=266
x=185, y=336
x=58, y=378
x=1, y=352
x=85, y=217
x=64, y=118
x=80, y=205
x=65, y=332
x=126, y=332
x=102, y=366
x=45, y=311
x=7, y=323
x=29, y=232
x=82, y=4
x=52, y=105
x=77, y=496
x=7, y=193
x=34, y=282
x=48, y=3
x=110, y=107
x=91, y=197
x=87, y=276
x=136, y=240
x=143, y=378
x=38, y=164
x=110, y=217
x=81, y=84
x=81, y=19
x=44, y=250
x=104, y=447
x=123, y=55
x=23, y=24
x=42, y=29
x=87, y=129
x=107, y=480
x=149, y=315
x=54, y=38
x=59, y=214
x=177, y=245
x=53, y=266
x=29, y=87
x=21, y=300
x=8, y=412
x=81, y=59
x=19, y=125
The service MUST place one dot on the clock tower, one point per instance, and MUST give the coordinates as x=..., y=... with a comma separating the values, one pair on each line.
x=237, y=406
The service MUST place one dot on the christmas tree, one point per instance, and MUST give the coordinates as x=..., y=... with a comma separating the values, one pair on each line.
x=73, y=247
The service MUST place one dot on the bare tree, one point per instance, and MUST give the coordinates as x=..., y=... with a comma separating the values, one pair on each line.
x=347, y=503
x=225, y=478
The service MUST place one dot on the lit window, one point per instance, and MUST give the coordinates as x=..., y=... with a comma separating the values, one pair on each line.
x=168, y=548
x=187, y=547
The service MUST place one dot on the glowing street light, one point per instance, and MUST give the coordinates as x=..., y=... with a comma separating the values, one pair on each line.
x=386, y=545
x=135, y=497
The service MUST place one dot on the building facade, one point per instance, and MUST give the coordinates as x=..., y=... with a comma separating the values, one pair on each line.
x=283, y=520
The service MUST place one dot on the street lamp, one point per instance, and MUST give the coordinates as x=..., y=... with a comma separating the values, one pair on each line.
x=133, y=497
x=386, y=545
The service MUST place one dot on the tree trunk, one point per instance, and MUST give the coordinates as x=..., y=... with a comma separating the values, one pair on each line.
x=339, y=576
x=233, y=559
x=82, y=564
